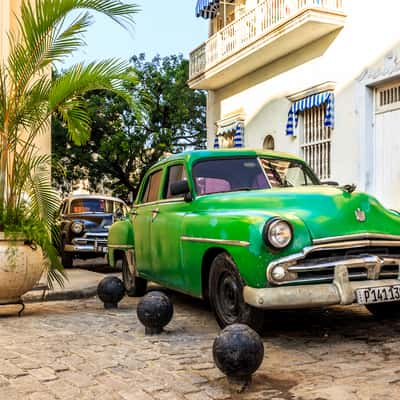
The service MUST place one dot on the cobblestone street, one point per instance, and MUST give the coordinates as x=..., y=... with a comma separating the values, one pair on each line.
x=78, y=350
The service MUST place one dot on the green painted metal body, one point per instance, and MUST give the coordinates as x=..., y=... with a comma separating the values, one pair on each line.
x=166, y=254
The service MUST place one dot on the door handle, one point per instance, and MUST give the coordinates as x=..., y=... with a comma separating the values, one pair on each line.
x=154, y=214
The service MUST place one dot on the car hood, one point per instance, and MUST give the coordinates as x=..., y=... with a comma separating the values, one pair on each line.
x=326, y=211
x=93, y=220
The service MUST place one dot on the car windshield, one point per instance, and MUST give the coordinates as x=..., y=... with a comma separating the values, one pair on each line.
x=94, y=205
x=250, y=173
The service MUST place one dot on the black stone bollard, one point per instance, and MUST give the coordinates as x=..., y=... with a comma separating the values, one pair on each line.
x=155, y=311
x=111, y=290
x=238, y=352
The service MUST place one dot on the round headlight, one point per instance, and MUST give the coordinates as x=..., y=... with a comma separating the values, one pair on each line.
x=278, y=273
x=278, y=233
x=77, y=227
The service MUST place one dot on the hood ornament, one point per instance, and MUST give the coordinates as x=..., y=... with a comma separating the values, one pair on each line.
x=360, y=215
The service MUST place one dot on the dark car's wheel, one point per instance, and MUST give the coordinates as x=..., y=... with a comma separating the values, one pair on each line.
x=385, y=310
x=66, y=258
x=134, y=286
x=226, y=295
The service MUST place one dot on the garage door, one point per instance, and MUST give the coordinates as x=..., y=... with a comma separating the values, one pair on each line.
x=387, y=145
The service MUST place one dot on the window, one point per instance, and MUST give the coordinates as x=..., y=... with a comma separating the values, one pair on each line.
x=152, y=187
x=230, y=174
x=88, y=205
x=316, y=141
x=250, y=173
x=388, y=97
x=269, y=143
x=287, y=173
x=175, y=173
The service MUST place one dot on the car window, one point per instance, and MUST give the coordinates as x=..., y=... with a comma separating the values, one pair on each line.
x=250, y=173
x=287, y=173
x=152, y=187
x=175, y=173
x=63, y=208
x=88, y=205
x=230, y=174
x=119, y=207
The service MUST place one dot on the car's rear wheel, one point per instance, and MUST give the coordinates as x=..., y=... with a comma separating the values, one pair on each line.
x=385, y=310
x=66, y=258
x=226, y=295
x=134, y=286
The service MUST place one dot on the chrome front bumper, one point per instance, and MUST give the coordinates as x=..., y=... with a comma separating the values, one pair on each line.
x=340, y=291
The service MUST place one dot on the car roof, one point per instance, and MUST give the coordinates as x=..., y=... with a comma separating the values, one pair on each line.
x=194, y=155
x=93, y=196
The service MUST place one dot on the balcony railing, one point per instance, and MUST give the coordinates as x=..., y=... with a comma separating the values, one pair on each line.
x=249, y=27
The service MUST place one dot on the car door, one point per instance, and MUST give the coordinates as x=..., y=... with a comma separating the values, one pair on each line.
x=166, y=231
x=142, y=222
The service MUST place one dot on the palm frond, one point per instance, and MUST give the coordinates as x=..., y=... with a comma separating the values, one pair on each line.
x=28, y=98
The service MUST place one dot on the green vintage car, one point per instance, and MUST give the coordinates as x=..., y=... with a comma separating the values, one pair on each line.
x=253, y=230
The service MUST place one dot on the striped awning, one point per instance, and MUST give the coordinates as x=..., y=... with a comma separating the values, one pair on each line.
x=207, y=8
x=236, y=128
x=316, y=100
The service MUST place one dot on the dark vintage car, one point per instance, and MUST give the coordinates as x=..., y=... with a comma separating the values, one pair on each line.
x=84, y=221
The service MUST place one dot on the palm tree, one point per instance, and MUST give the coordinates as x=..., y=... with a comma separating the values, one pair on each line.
x=48, y=31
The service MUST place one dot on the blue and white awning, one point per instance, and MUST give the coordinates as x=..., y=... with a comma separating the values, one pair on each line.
x=315, y=100
x=207, y=8
x=236, y=128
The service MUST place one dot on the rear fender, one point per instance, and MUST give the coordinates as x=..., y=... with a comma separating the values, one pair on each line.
x=120, y=239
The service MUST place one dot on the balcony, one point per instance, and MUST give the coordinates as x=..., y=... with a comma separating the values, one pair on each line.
x=263, y=34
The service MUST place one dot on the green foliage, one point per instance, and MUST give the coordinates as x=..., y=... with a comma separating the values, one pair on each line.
x=168, y=117
x=29, y=96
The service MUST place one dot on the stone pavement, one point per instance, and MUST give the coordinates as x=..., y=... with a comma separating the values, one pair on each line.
x=78, y=350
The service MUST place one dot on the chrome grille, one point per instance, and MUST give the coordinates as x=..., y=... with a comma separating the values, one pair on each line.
x=366, y=256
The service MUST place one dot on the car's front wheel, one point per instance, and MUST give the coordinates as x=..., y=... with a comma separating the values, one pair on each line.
x=385, y=310
x=134, y=286
x=226, y=295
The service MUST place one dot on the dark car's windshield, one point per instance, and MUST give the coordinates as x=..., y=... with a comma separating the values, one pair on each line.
x=94, y=205
x=250, y=173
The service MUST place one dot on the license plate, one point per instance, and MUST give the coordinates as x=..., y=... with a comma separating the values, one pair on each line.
x=380, y=294
x=102, y=249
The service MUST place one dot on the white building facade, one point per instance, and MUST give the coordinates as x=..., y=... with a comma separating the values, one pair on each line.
x=317, y=78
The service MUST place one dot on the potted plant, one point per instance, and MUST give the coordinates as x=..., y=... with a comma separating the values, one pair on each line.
x=29, y=96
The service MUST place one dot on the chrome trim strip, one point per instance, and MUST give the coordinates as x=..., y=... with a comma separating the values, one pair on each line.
x=95, y=234
x=239, y=243
x=358, y=236
x=349, y=263
x=120, y=246
x=160, y=201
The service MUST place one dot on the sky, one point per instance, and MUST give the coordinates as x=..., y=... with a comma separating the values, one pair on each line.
x=162, y=27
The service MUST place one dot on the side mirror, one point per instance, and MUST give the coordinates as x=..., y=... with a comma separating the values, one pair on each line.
x=181, y=188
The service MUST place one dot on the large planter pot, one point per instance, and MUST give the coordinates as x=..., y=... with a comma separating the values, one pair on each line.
x=21, y=266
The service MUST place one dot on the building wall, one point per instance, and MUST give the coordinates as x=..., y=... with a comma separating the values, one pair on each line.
x=8, y=23
x=371, y=32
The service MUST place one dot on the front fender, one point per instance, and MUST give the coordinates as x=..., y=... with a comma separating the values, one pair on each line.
x=244, y=226
x=120, y=238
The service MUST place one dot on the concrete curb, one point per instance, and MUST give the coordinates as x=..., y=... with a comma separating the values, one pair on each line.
x=72, y=294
